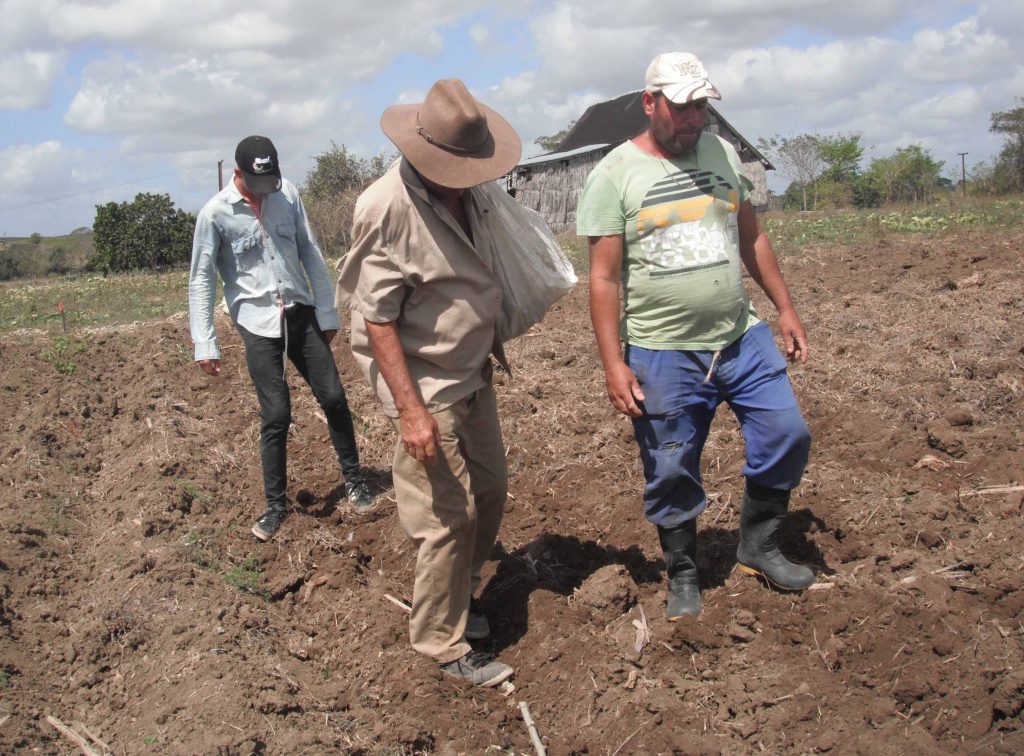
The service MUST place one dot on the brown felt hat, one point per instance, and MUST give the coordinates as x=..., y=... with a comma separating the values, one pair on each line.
x=452, y=139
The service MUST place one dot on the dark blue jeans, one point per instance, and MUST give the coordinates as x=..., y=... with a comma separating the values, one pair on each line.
x=309, y=351
x=679, y=405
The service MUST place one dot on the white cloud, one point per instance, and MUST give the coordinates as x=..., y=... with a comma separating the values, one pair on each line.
x=27, y=77
x=169, y=87
x=480, y=35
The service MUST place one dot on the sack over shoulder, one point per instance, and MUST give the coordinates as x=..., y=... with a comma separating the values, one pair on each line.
x=532, y=269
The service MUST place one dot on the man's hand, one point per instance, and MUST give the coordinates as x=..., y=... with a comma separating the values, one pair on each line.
x=210, y=367
x=420, y=434
x=329, y=335
x=624, y=389
x=793, y=337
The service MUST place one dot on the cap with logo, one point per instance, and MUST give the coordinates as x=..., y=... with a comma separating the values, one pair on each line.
x=256, y=158
x=680, y=77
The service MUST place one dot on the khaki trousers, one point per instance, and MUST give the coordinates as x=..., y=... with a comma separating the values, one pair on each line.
x=452, y=510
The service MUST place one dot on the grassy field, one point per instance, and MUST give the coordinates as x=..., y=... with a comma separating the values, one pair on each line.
x=91, y=300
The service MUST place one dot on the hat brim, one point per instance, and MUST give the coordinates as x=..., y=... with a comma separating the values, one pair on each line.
x=261, y=184
x=456, y=170
x=681, y=94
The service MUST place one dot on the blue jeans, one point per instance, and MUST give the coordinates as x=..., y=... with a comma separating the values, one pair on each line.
x=309, y=351
x=679, y=405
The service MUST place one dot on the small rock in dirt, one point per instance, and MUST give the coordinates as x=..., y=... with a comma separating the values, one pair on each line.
x=746, y=728
x=942, y=647
x=608, y=593
x=942, y=438
x=826, y=741
x=959, y=417
x=930, y=538
x=1008, y=698
x=745, y=618
x=979, y=722
x=741, y=634
x=284, y=584
x=299, y=646
x=902, y=561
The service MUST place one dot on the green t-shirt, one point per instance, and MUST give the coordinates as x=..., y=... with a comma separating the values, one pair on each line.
x=682, y=274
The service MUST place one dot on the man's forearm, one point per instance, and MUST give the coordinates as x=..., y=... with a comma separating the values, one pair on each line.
x=605, y=274
x=387, y=351
x=604, y=315
x=760, y=260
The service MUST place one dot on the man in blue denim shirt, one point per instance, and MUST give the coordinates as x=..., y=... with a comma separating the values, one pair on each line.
x=255, y=234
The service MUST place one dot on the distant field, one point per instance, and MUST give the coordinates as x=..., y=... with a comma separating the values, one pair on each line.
x=34, y=256
x=92, y=299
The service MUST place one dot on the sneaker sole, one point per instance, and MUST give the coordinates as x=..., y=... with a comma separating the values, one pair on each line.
x=261, y=535
x=497, y=679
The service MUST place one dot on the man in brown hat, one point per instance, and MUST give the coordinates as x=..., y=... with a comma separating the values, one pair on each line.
x=424, y=301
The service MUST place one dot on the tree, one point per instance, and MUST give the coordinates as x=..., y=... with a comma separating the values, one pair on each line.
x=550, y=143
x=332, y=189
x=908, y=175
x=1008, y=172
x=842, y=154
x=146, y=233
x=799, y=159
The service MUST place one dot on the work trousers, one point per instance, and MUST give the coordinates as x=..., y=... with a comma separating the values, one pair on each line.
x=682, y=391
x=304, y=344
x=452, y=511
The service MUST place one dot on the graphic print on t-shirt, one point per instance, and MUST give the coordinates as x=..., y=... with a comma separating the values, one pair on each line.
x=677, y=225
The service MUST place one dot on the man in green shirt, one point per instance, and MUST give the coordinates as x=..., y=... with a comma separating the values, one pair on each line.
x=670, y=223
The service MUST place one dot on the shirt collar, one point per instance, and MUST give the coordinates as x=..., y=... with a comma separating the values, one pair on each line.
x=412, y=180
x=232, y=194
x=415, y=186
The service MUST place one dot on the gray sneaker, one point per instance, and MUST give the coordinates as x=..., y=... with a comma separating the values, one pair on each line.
x=477, y=626
x=267, y=525
x=359, y=496
x=478, y=668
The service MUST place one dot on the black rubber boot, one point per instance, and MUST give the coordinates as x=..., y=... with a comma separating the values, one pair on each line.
x=758, y=554
x=679, y=545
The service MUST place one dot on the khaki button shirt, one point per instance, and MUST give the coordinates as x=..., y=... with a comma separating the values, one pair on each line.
x=412, y=263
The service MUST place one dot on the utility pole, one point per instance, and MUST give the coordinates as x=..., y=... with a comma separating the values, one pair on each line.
x=220, y=175
x=963, y=172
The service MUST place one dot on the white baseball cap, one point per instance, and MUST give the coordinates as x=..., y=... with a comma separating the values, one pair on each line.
x=680, y=77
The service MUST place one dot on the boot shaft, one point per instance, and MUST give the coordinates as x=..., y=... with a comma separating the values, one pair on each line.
x=679, y=547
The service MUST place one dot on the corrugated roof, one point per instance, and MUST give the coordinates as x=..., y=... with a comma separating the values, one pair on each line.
x=547, y=157
x=614, y=121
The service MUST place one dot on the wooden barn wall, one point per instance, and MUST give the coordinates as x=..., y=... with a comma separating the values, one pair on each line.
x=553, y=189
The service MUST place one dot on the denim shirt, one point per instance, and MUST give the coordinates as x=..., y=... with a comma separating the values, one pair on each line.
x=264, y=263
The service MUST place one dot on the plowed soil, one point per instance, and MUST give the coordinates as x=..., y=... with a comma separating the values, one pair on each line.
x=136, y=608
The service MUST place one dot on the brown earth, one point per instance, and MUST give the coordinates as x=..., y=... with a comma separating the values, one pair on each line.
x=135, y=604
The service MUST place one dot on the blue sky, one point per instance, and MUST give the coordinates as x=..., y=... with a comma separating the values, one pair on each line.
x=103, y=99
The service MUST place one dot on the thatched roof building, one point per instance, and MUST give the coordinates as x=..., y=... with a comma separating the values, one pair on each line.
x=551, y=183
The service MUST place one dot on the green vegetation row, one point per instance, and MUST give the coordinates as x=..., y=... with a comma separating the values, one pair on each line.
x=95, y=299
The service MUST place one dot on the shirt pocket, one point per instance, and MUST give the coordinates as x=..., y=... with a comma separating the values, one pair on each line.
x=247, y=251
x=284, y=240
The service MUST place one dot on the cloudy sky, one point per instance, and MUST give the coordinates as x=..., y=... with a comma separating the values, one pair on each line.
x=103, y=99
